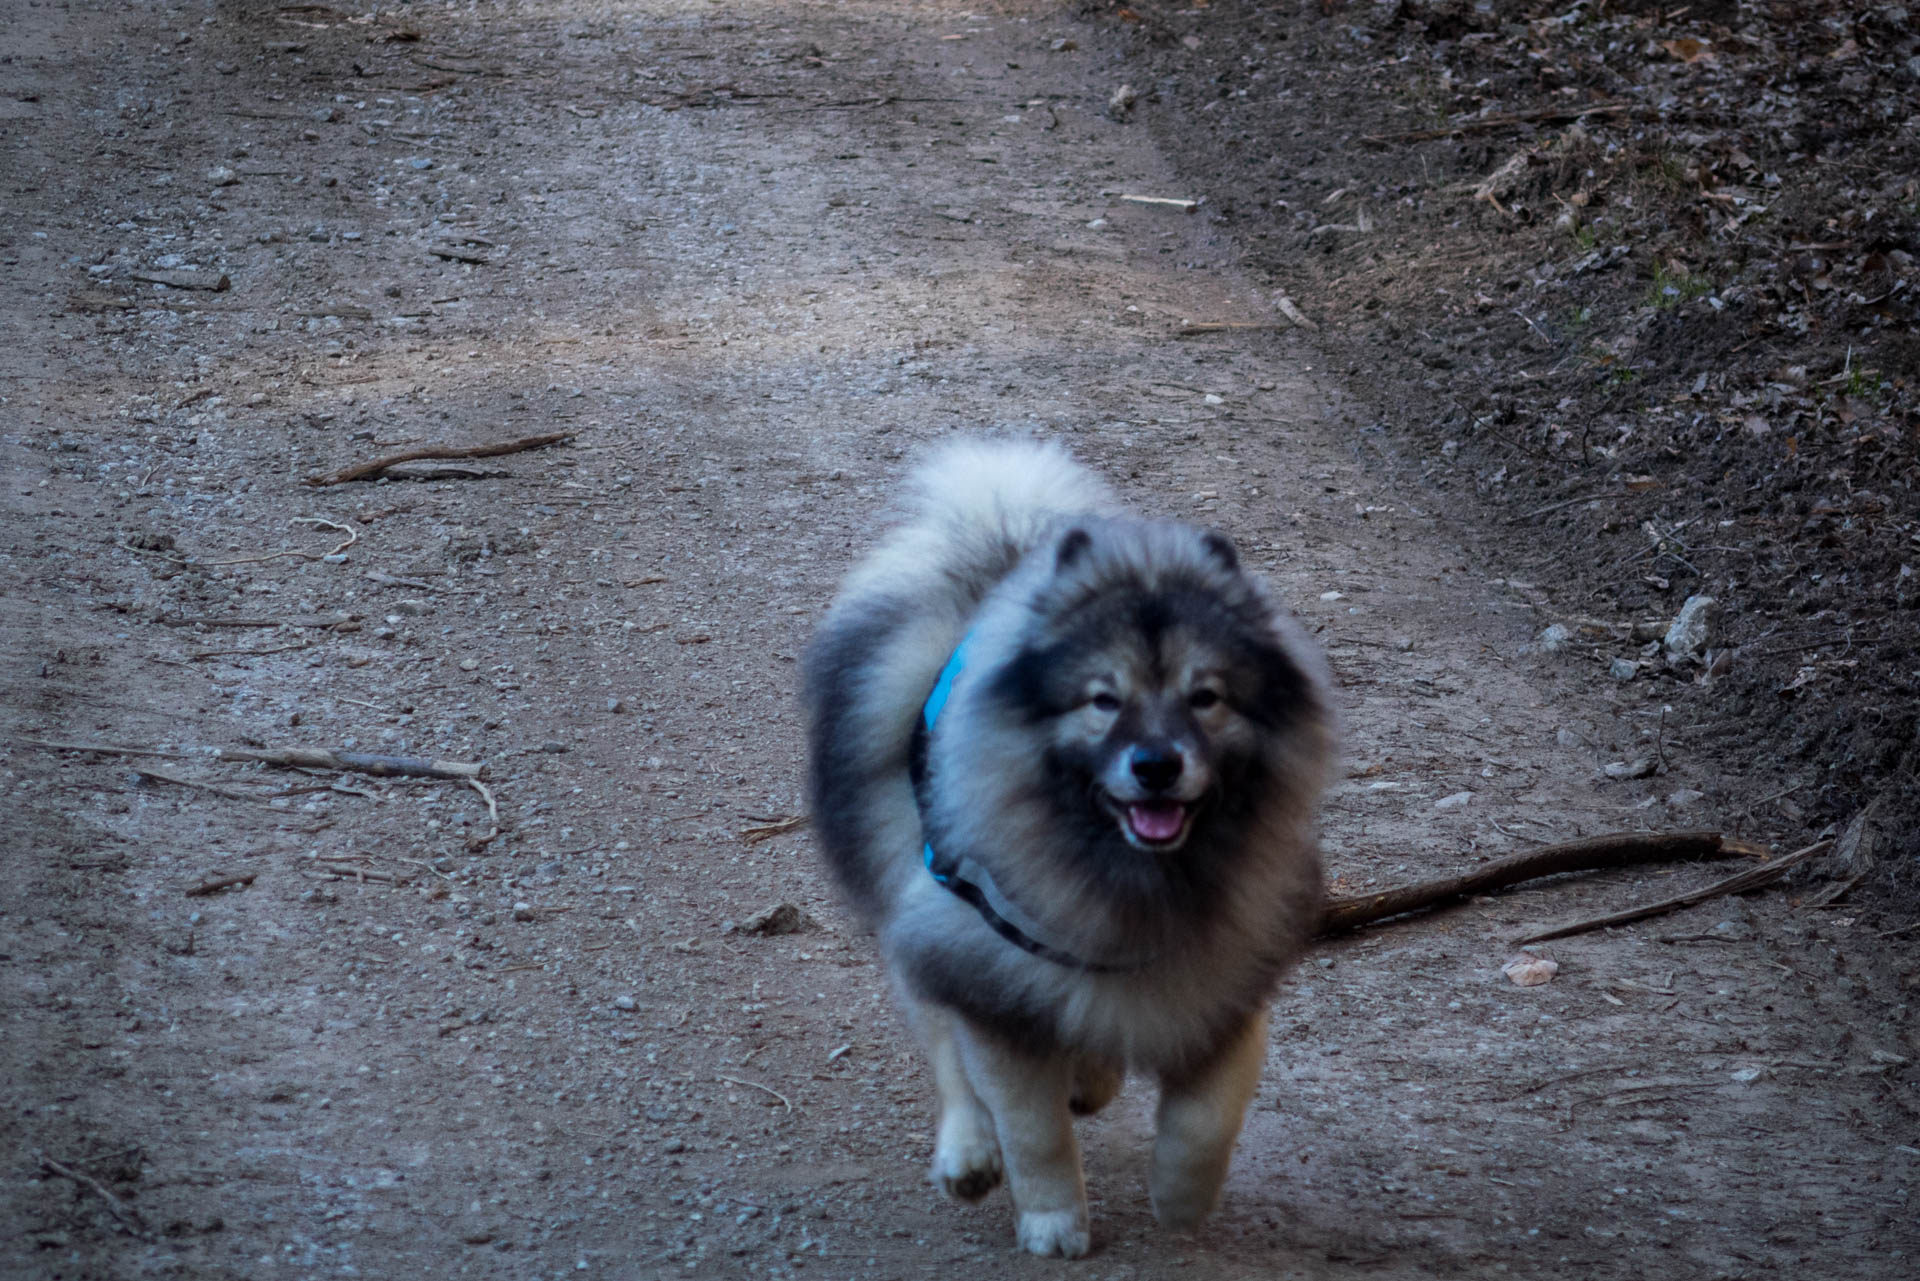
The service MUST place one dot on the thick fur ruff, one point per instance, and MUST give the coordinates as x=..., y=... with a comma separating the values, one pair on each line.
x=1132, y=751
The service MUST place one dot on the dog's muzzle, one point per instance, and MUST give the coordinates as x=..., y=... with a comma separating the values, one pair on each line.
x=1153, y=795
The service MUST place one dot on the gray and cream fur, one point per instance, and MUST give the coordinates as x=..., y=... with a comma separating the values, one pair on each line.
x=1127, y=759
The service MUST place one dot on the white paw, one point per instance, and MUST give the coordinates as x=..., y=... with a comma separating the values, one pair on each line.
x=1054, y=1233
x=966, y=1165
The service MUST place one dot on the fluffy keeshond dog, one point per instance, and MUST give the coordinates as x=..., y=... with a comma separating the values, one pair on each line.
x=1065, y=763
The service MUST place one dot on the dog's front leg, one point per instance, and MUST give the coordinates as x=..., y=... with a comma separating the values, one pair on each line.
x=1027, y=1095
x=1200, y=1117
x=966, y=1155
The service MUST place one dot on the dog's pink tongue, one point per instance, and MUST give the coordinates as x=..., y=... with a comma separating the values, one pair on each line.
x=1157, y=821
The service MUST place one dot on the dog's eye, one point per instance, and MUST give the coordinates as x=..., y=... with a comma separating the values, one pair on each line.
x=1201, y=699
x=1105, y=702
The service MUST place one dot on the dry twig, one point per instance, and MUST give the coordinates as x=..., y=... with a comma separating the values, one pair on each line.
x=772, y=828
x=220, y=883
x=200, y=654
x=162, y=776
x=294, y=758
x=1486, y=123
x=329, y=621
x=1751, y=879
x=103, y=749
x=357, y=762
x=493, y=817
x=360, y=471
x=755, y=1085
x=352, y=538
x=1223, y=326
x=129, y=1218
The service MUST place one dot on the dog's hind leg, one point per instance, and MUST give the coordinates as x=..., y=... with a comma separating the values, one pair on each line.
x=1028, y=1098
x=966, y=1156
x=1200, y=1117
x=1094, y=1085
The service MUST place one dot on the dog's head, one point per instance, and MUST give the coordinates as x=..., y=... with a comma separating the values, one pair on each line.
x=1171, y=700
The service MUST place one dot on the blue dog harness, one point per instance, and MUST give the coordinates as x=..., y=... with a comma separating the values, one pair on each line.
x=968, y=881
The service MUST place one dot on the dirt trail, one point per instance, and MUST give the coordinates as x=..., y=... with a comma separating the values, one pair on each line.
x=754, y=256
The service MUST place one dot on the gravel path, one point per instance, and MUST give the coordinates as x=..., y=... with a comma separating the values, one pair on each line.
x=752, y=258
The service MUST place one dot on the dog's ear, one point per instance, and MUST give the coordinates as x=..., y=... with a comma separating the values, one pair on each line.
x=1073, y=545
x=1221, y=548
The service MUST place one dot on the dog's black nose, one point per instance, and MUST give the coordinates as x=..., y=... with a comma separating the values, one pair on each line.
x=1156, y=768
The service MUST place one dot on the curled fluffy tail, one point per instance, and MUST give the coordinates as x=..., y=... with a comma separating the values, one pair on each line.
x=1016, y=489
x=975, y=509
x=978, y=507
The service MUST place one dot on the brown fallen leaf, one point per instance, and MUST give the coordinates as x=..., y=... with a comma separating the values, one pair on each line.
x=1688, y=49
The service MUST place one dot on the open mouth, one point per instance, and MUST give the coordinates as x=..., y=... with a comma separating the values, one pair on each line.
x=1155, y=824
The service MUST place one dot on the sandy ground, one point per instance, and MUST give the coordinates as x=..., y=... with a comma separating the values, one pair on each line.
x=752, y=257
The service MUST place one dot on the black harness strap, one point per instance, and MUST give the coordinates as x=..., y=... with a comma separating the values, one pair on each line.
x=967, y=881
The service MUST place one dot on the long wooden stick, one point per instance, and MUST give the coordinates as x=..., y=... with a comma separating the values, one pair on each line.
x=359, y=471
x=103, y=749
x=1751, y=879
x=293, y=758
x=358, y=762
x=1625, y=849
